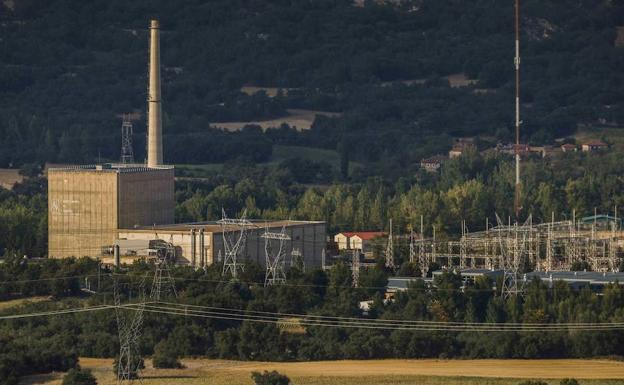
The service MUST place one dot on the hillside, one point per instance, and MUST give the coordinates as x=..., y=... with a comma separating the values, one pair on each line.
x=68, y=68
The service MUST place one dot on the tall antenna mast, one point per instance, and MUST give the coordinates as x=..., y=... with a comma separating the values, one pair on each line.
x=517, y=149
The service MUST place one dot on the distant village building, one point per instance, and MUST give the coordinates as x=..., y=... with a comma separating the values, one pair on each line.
x=510, y=148
x=360, y=240
x=432, y=164
x=595, y=145
x=460, y=147
x=569, y=147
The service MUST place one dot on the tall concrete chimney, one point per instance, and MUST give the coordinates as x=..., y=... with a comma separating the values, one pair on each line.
x=154, y=107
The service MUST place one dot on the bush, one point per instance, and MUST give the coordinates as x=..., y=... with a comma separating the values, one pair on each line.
x=166, y=356
x=569, y=381
x=531, y=382
x=77, y=376
x=270, y=378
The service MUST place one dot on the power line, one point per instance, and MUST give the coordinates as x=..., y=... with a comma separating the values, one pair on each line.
x=365, y=324
x=381, y=320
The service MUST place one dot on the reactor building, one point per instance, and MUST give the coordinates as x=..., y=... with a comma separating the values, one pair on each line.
x=94, y=209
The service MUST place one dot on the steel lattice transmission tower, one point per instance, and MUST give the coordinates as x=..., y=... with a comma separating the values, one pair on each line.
x=129, y=324
x=296, y=259
x=275, y=256
x=514, y=245
x=390, y=250
x=355, y=268
x=163, y=284
x=234, y=235
x=127, y=153
x=412, y=247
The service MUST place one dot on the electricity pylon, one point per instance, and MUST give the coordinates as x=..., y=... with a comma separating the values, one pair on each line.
x=163, y=284
x=355, y=268
x=275, y=256
x=390, y=250
x=129, y=328
x=233, y=231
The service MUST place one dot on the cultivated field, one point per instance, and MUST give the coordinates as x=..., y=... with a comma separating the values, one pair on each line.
x=301, y=119
x=375, y=372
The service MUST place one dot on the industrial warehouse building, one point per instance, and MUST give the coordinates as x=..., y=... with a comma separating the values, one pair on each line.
x=201, y=244
x=95, y=210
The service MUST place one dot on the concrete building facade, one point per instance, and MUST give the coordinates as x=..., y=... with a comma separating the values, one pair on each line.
x=87, y=205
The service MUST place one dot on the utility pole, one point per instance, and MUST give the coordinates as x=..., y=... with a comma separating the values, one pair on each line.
x=390, y=250
x=517, y=199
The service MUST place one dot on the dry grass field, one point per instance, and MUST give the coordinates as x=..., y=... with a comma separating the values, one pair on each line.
x=4, y=305
x=375, y=372
x=301, y=119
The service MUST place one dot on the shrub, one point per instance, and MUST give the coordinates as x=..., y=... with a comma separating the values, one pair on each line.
x=270, y=378
x=531, y=382
x=77, y=376
x=569, y=381
x=166, y=356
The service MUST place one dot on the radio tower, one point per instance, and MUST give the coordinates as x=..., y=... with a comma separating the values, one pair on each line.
x=127, y=155
x=517, y=207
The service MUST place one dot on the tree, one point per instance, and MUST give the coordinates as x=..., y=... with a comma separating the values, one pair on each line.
x=78, y=376
x=166, y=356
x=270, y=378
x=569, y=381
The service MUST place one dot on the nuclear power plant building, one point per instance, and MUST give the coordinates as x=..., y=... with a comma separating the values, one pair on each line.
x=128, y=209
x=87, y=205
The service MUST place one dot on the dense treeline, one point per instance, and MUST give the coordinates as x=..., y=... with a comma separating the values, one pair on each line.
x=69, y=67
x=23, y=219
x=318, y=293
x=470, y=188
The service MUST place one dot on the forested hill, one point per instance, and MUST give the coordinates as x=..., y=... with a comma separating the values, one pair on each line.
x=69, y=67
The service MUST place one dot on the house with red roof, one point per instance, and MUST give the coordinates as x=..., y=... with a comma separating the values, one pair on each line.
x=568, y=147
x=594, y=145
x=360, y=240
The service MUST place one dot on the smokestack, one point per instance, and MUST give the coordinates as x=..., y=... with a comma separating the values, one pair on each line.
x=154, y=118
